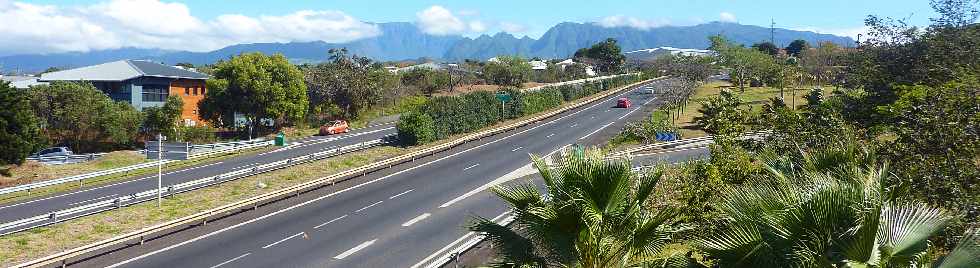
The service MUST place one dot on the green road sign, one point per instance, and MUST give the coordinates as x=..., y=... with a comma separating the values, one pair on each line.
x=503, y=96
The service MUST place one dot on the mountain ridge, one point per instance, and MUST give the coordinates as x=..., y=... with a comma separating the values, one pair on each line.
x=405, y=41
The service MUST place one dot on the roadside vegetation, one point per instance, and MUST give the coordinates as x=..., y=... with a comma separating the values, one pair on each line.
x=876, y=168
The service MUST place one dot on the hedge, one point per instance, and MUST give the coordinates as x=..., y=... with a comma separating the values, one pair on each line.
x=445, y=116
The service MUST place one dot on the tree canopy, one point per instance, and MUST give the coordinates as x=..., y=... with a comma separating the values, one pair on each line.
x=82, y=117
x=256, y=86
x=19, y=132
x=796, y=47
x=607, y=56
x=347, y=83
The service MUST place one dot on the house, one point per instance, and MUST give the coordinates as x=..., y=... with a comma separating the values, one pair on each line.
x=142, y=84
x=22, y=82
x=538, y=65
x=569, y=62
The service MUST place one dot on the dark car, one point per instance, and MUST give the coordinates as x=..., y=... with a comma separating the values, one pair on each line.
x=623, y=103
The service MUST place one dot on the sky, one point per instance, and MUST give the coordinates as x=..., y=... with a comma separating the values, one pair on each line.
x=52, y=26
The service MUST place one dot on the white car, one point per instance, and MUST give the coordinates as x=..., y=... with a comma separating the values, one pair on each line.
x=53, y=152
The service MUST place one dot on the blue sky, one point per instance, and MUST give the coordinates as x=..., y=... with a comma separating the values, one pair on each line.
x=70, y=25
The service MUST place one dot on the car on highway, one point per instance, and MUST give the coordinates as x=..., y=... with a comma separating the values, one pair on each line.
x=53, y=152
x=335, y=127
x=623, y=103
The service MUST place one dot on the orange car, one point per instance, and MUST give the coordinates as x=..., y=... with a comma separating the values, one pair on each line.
x=338, y=126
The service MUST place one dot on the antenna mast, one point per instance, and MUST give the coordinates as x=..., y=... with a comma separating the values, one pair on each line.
x=772, y=32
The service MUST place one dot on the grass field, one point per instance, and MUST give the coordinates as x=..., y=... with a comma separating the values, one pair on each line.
x=754, y=97
x=33, y=171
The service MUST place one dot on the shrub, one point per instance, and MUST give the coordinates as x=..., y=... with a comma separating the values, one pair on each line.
x=415, y=128
x=198, y=135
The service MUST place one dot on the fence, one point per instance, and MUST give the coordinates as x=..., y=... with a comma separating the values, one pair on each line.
x=74, y=212
x=255, y=201
x=203, y=150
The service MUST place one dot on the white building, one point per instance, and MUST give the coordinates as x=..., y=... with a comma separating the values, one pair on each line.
x=654, y=53
x=569, y=62
x=538, y=65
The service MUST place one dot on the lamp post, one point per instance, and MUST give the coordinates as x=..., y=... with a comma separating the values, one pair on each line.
x=160, y=138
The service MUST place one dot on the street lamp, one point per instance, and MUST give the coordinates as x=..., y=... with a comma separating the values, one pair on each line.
x=160, y=139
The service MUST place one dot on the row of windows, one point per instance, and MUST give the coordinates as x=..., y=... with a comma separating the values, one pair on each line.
x=155, y=93
x=195, y=90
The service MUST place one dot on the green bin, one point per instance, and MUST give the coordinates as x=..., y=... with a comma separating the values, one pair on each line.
x=281, y=139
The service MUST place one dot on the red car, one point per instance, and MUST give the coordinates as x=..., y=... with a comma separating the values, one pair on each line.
x=623, y=103
x=339, y=126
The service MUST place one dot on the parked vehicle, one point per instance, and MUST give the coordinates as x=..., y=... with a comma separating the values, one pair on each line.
x=53, y=152
x=338, y=126
x=623, y=103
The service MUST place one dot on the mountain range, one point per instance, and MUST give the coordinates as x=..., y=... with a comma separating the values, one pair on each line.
x=403, y=41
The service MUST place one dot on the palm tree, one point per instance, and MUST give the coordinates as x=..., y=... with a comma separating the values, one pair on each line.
x=831, y=209
x=592, y=216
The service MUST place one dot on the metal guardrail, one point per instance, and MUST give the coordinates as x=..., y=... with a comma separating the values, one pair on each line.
x=205, y=150
x=126, y=200
x=578, y=81
x=66, y=158
x=255, y=201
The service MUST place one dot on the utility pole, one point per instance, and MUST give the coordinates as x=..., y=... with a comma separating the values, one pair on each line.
x=160, y=170
x=772, y=31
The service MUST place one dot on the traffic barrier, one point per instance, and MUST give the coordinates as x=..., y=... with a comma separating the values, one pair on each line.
x=255, y=201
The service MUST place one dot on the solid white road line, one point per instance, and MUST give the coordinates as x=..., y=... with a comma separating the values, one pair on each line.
x=416, y=219
x=473, y=166
x=284, y=239
x=447, y=247
x=549, y=135
x=597, y=130
x=354, y=250
x=353, y=187
x=634, y=110
x=329, y=222
x=517, y=173
x=397, y=195
x=518, y=148
x=231, y=260
x=369, y=206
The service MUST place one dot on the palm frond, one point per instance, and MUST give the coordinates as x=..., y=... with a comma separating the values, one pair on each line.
x=966, y=254
x=906, y=228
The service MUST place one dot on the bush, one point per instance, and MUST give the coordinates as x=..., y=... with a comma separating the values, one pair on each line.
x=198, y=135
x=415, y=128
x=451, y=115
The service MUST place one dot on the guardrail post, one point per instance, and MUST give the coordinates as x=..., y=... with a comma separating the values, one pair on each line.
x=117, y=202
x=80, y=183
x=53, y=216
x=142, y=240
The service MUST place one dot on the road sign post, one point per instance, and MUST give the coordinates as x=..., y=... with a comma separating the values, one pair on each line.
x=170, y=151
x=504, y=97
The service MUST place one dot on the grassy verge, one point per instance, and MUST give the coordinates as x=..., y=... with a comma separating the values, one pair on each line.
x=754, y=97
x=54, y=189
x=24, y=246
x=32, y=171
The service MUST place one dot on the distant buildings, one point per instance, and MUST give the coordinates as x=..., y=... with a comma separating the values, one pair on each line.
x=538, y=65
x=141, y=84
x=654, y=53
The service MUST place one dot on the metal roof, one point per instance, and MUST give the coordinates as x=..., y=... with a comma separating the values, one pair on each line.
x=120, y=71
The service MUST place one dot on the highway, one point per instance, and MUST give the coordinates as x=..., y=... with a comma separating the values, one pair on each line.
x=399, y=218
x=46, y=204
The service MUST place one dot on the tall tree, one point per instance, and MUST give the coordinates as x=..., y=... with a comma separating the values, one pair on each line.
x=79, y=115
x=796, y=47
x=19, y=131
x=164, y=119
x=767, y=47
x=349, y=83
x=508, y=71
x=258, y=87
x=606, y=55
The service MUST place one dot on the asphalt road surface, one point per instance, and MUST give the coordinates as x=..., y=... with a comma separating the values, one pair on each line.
x=46, y=204
x=401, y=217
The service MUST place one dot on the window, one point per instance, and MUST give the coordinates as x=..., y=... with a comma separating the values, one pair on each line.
x=195, y=91
x=155, y=93
x=187, y=91
x=202, y=91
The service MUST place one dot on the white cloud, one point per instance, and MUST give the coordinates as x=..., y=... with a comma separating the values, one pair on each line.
x=726, y=17
x=511, y=27
x=438, y=20
x=848, y=32
x=33, y=28
x=624, y=21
